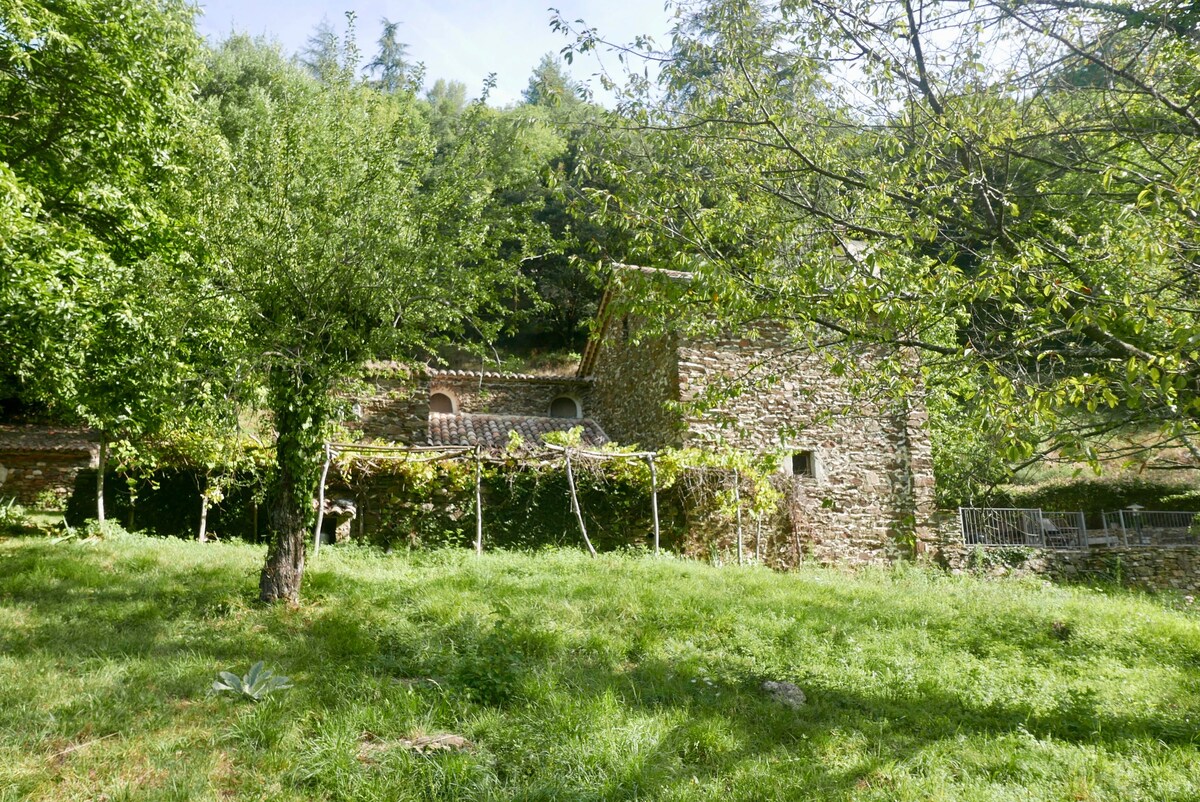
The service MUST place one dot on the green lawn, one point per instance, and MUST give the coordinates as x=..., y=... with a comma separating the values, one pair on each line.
x=614, y=678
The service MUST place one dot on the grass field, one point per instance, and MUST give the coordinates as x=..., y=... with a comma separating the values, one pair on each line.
x=623, y=677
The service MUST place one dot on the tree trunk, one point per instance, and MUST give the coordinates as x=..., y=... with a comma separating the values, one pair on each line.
x=100, y=478
x=298, y=405
x=288, y=531
x=203, y=536
x=286, y=522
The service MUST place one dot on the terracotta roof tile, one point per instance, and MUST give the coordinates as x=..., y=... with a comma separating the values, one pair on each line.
x=384, y=367
x=513, y=377
x=47, y=438
x=491, y=431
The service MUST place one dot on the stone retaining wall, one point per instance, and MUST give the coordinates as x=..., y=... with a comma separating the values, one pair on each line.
x=1146, y=567
x=1152, y=568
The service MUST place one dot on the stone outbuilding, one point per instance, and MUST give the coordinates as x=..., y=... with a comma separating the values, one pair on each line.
x=38, y=463
x=422, y=406
x=857, y=472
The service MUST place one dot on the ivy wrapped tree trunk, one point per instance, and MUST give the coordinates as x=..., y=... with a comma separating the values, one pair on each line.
x=340, y=234
x=298, y=413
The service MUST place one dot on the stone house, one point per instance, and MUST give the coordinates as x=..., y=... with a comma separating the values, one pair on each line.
x=857, y=473
x=422, y=406
x=40, y=462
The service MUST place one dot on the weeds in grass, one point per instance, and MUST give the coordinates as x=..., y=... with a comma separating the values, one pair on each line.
x=256, y=685
x=13, y=517
x=618, y=678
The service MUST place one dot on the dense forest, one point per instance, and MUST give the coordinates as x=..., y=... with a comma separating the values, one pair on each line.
x=1005, y=194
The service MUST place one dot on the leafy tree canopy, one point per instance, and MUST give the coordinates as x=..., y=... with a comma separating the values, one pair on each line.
x=1010, y=189
x=97, y=141
x=342, y=231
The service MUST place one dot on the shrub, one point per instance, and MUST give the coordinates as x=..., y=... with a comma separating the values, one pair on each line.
x=1099, y=494
x=168, y=503
x=521, y=509
x=13, y=518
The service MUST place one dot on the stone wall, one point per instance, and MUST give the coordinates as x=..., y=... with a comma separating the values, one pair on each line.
x=39, y=461
x=396, y=409
x=508, y=394
x=1145, y=567
x=870, y=497
x=1152, y=568
x=636, y=377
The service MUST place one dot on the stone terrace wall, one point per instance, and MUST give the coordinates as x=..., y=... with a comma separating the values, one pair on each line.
x=873, y=488
x=34, y=460
x=634, y=380
x=508, y=394
x=397, y=408
x=1145, y=567
x=1152, y=568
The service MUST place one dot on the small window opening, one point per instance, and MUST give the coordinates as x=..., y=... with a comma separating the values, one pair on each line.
x=803, y=464
x=565, y=407
x=440, y=402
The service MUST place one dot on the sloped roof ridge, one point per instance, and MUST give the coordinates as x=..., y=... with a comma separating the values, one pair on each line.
x=433, y=373
x=38, y=437
x=491, y=374
x=653, y=271
x=500, y=416
x=591, y=350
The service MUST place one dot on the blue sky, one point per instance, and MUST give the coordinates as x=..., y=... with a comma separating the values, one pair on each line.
x=462, y=40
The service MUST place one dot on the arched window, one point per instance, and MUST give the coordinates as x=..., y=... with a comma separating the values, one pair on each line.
x=565, y=407
x=440, y=402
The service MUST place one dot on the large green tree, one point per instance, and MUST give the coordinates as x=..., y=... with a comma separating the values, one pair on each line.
x=1009, y=188
x=100, y=318
x=341, y=234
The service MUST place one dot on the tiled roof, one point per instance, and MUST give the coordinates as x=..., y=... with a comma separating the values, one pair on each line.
x=47, y=438
x=383, y=367
x=491, y=431
x=652, y=271
x=518, y=377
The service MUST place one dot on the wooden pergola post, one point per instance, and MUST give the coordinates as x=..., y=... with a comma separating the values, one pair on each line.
x=737, y=503
x=478, y=502
x=321, y=502
x=654, y=499
x=758, y=538
x=575, y=503
x=202, y=535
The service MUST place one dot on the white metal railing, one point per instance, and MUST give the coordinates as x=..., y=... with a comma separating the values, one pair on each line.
x=1136, y=527
x=1016, y=526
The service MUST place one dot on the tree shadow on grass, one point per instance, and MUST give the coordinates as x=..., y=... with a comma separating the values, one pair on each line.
x=889, y=730
x=710, y=728
x=111, y=611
